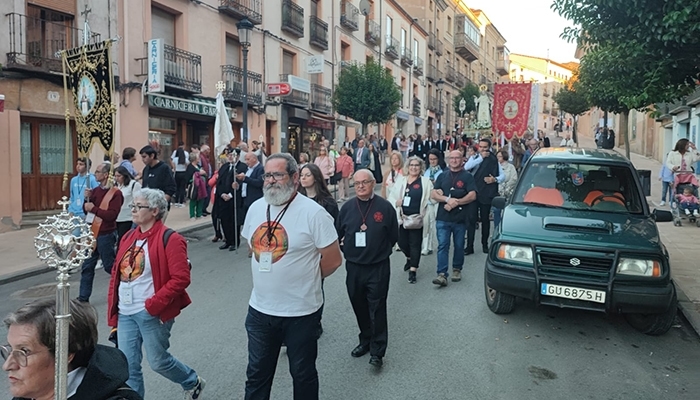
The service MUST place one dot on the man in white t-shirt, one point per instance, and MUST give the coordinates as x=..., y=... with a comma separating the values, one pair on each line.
x=294, y=245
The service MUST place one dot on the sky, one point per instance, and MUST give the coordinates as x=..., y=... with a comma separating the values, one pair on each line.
x=530, y=27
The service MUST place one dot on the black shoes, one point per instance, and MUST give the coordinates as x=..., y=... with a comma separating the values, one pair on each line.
x=360, y=350
x=376, y=361
x=485, y=249
x=232, y=248
x=411, y=276
x=468, y=251
x=407, y=266
x=224, y=246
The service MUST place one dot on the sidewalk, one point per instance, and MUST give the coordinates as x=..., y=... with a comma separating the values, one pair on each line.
x=681, y=242
x=19, y=255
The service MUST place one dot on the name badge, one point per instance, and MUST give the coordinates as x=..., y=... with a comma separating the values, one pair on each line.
x=127, y=296
x=360, y=239
x=265, y=264
x=407, y=201
x=78, y=201
x=89, y=218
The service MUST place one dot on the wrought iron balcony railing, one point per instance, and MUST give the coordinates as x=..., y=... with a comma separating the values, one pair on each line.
x=465, y=47
x=418, y=66
x=503, y=66
x=433, y=104
x=182, y=70
x=319, y=32
x=373, y=34
x=392, y=47
x=450, y=74
x=34, y=42
x=406, y=57
x=240, y=9
x=296, y=97
x=439, y=47
x=292, y=18
x=321, y=98
x=349, y=15
x=461, y=80
x=416, y=106
x=232, y=76
x=432, y=73
x=431, y=41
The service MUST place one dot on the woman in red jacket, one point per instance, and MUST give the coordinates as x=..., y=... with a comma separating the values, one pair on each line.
x=147, y=292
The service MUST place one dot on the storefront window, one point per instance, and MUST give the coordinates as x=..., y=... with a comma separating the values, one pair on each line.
x=52, y=141
x=164, y=141
x=25, y=144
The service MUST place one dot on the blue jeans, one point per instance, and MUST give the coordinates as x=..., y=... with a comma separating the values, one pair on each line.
x=496, y=216
x=265, y=336
x=143, y=329
x=666, y=189
x=104, y=251
x=444, y=230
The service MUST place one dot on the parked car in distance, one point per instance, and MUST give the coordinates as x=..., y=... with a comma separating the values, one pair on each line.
x=577, y=232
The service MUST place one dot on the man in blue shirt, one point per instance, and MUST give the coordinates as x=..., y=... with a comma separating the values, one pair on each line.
x=78, y=184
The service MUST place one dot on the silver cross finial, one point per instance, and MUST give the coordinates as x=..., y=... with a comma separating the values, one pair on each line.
x=64, y=202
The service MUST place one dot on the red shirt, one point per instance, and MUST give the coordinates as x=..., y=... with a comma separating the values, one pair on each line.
x=109, y=216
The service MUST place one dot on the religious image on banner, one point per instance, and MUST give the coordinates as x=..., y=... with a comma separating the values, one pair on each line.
x=511, y=109
x=89, y=77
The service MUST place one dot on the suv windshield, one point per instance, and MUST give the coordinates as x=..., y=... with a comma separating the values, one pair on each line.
x=579, y=187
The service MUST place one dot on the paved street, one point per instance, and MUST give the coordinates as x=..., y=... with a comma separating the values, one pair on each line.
x=443, y=343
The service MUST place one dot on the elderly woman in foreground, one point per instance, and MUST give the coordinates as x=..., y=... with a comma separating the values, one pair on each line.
x=95, y=372
x=147, y=292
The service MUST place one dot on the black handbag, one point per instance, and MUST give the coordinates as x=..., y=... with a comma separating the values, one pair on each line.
x=336, y=178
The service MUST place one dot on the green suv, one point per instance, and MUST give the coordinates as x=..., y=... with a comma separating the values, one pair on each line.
x=577, y=233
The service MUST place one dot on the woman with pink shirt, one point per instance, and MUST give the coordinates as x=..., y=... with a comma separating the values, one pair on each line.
x=345, y=165
x=325, y=164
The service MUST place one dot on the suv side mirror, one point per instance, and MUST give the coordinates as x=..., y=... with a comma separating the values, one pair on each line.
x=645, y=178
x=499, y=202
x=662, y=215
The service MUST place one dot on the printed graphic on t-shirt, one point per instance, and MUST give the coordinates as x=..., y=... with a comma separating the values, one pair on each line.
x=277, y=244
x=132, y=265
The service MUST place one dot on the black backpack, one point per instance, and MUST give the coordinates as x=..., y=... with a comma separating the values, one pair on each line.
x=166, y=236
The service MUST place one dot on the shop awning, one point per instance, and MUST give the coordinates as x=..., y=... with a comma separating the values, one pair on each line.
x=403, y=115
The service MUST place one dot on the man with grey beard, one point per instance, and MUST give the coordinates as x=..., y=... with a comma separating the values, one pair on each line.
x=294, y=245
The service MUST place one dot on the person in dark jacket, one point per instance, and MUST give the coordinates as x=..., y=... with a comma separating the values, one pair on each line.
x=95, y=372
x=157, y=174
x=486, y=178
x=229, y=201
x=608, y=139
x=368, y=228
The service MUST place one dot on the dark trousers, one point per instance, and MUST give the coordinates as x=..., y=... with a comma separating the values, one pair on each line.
x=478, y=212
x=231, y=219
x=216, y=223
x=103, y=251
x=122, y=228
x=411, y=243
x=266, y=333
x=181, y=185
x=368, y=287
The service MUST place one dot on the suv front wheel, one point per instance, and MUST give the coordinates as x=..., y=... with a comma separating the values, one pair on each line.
x=655, y=324
x=498, y=302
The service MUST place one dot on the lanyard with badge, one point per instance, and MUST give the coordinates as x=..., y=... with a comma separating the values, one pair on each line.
x=265, y=263
x=126, y=295
x=81, y=190
x=361, y=236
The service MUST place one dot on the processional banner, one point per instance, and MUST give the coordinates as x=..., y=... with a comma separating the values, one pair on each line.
x=88, y=72
x=511, y=109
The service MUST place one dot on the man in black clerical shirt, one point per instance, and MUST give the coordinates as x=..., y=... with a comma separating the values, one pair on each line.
x=368, y=229
x=453, y=190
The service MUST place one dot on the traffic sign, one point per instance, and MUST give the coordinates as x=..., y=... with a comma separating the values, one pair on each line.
x=278, y=89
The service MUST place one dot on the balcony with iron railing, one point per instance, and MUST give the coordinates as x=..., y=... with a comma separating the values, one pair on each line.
x=373, y=34
x=418, y=66
x=466, y=47
x=450, y=74
x=503, y=66
x=321, y=99
x=318, y=32
x=545, y=93
x=34, y=42
x=240, y=9
x=406, y=57
x=433, y=104
x=546, y=110
x=431, y=41
x=416, y=107
x=439, y=47
x=432, y=72
x=232, y=76
x=461, y=80
x=182, y=70
x=392, y=47
x=292, y=18
x=349, y=15
x=295, y=97
x=555, y=111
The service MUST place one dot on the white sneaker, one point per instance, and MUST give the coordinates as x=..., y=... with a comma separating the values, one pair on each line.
x=695, y=213
x=194, y=393
x=663, y=203
x=687, y=212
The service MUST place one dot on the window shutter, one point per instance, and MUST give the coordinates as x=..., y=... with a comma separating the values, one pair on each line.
x=64, y=6
x=163, y=26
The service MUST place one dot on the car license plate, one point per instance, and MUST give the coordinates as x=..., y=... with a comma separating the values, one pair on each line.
x=568, y=292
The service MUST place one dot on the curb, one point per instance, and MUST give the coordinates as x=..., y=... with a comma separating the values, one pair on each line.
x=43, y=268
x=688, y=309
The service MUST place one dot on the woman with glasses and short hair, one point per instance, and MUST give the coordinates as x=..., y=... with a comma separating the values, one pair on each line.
x=410, y=197
x=95, y=372
x=147, y=292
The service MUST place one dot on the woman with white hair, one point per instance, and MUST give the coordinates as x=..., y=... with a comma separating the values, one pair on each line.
x=147, y=292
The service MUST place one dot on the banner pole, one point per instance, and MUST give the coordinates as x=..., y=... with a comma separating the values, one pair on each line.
x=67, y=161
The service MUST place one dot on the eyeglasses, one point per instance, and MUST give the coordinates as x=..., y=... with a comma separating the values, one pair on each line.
x=20, y=355
x=136, y=207
x=363, y=183
x=414, y=165
x=276, y=175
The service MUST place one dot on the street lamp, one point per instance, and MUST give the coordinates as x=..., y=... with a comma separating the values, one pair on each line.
x=245, y=30
x=439, y=84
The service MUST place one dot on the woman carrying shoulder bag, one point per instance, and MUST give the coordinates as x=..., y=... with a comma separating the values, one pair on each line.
x=411, y=197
